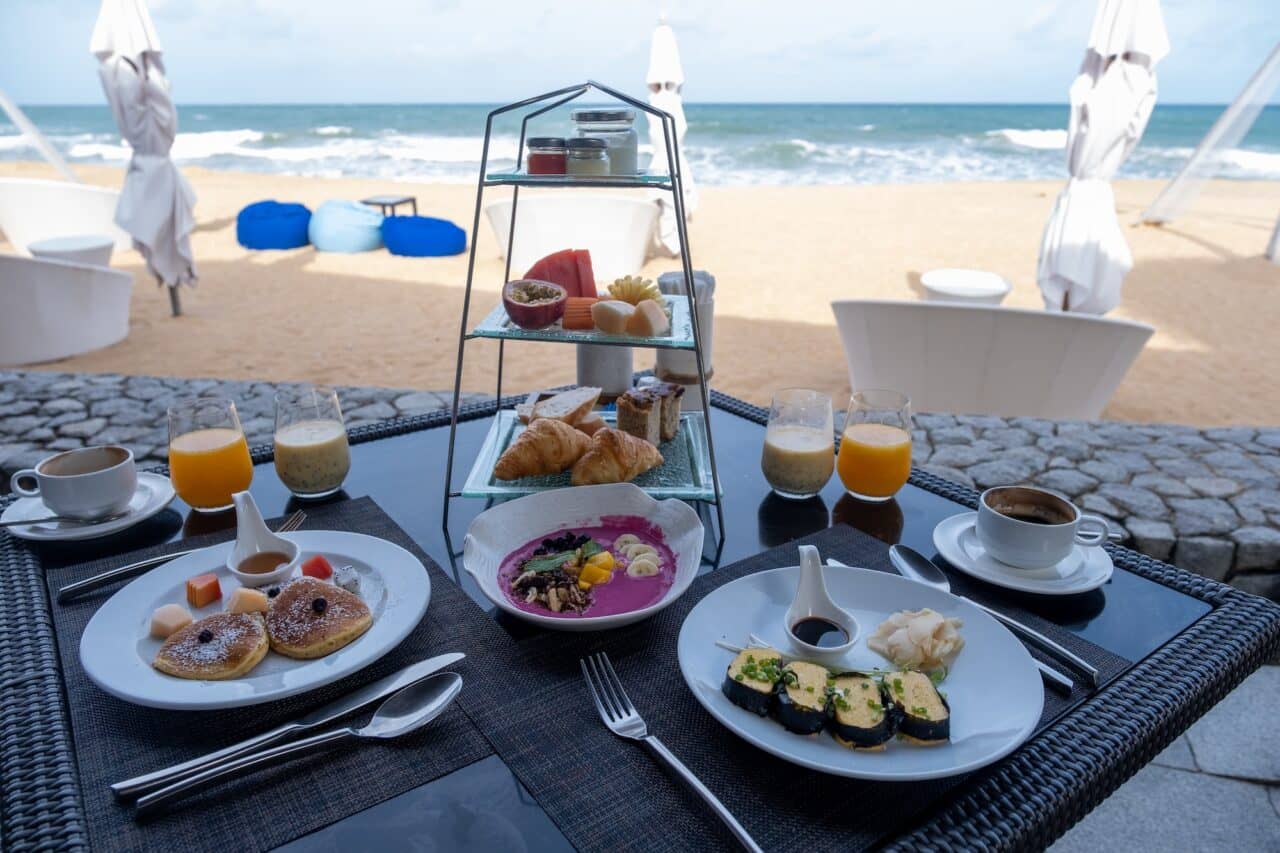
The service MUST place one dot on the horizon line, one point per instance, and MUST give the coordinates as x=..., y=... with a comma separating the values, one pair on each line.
x=191, y=104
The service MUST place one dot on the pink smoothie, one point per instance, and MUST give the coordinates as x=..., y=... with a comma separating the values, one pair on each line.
x=623, y=593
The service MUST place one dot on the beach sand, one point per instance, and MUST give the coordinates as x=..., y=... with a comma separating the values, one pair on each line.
x=780, y=255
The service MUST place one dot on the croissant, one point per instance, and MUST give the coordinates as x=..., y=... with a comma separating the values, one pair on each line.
x=615, y=457
x=546, y=447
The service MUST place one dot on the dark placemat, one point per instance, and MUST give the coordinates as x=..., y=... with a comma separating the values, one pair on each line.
x=115, y=740
x=607, y=794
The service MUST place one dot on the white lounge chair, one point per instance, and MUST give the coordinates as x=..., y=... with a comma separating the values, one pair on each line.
x=972, y=359
x=616, y=230
x=55, y=309
x=33, y=209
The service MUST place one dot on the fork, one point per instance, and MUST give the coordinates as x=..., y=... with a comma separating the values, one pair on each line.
x=72, y=590
x=624, y=721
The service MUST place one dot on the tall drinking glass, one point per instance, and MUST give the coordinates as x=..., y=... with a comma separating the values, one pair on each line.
x=798, y=455
x=875, y=450
x=208, y=455
x=312, y=457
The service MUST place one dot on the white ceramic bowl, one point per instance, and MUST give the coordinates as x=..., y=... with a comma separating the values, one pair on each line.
x=497, y=532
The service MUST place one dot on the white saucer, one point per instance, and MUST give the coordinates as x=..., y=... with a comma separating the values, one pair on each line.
x=153, y=494
x=1082, y=570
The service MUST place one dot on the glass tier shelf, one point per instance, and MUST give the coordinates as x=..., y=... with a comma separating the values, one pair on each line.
x=685, y=472
x=523, y=179
x=498, y=325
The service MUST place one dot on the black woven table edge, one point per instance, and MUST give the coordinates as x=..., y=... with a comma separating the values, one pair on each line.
x=40, y=801
x=1052, y=782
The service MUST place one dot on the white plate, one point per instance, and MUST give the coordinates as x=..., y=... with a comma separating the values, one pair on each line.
x=993, y=687
x=116, y=649
x=1082, y=570
x=497, y=532
x=153, y=494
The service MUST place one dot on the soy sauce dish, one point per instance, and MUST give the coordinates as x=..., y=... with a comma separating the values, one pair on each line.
x=584, y=558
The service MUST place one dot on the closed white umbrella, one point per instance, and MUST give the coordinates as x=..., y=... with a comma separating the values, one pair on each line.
x=156, y=201
x=665, y=80
x=1083, y=256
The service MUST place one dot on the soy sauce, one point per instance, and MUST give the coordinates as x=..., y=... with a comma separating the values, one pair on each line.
x=820, y=632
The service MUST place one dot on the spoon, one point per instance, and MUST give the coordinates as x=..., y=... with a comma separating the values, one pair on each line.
x=911, y=564
x=406, y=711
x=813, y=602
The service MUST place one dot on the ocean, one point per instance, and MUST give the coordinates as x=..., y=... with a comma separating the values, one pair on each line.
x=726, y=143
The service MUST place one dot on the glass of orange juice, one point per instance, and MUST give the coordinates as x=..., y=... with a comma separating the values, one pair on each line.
x=874, y=461
x=208, y=455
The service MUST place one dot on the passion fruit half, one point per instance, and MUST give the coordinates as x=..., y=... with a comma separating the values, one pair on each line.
x=533, y=304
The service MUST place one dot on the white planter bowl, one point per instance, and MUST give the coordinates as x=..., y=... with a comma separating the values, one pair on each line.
x=497, y=532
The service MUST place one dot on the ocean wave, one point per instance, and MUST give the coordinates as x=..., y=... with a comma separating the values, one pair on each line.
x=11, y=143
x=332, y=130
x=866, y=127
x=1044, y=140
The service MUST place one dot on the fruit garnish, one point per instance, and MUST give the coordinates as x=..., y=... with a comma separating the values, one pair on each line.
x=634, y=290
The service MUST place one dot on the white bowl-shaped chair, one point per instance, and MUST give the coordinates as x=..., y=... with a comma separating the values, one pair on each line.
x=973, y=359
x=33, y=209
x=55, y=309
x=616, y=230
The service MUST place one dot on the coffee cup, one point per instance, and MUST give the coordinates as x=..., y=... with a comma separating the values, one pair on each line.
x=87, y=483
x=1030, y=528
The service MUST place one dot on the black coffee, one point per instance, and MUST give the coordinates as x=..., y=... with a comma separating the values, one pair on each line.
x=1034, y=519
x=1033, y=514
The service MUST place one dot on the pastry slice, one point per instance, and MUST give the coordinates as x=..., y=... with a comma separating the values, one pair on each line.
x=546, y=447
x=568, y=406
x=615, y=457
x=215, y=648
x=640, y=414
x=670, y=394
x=311, y=618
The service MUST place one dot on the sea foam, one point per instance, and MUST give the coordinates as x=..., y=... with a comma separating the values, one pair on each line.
x=1040, y=139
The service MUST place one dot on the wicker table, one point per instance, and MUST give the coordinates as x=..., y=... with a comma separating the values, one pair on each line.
x=1194, y=640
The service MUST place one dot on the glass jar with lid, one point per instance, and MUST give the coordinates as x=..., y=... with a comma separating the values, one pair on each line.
x=546, y=155
x=587, y=157
x=617, y=128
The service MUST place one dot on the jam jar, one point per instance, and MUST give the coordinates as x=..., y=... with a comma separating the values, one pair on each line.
x=546, y=156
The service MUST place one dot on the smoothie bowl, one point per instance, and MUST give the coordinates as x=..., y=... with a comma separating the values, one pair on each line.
x=586, y=558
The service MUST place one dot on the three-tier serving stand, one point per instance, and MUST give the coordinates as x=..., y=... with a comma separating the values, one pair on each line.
x=696, y=450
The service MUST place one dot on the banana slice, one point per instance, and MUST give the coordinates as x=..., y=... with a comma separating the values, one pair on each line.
x=621, y=543
x=642, y=567
x=639, y=549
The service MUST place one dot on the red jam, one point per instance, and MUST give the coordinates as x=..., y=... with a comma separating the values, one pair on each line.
x=546, y=156
x=546, y=163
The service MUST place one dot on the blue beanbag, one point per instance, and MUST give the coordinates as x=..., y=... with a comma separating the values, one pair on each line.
x=346, y=226
x=273, y=225
x=423, y=236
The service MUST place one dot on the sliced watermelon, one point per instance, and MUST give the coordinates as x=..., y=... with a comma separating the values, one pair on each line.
x=317, y=567
x=559, y=268
x=586, y=278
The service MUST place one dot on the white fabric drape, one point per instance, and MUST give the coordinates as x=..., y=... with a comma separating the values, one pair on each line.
x=156, y=202
x=665, y=79
x=1084, y=256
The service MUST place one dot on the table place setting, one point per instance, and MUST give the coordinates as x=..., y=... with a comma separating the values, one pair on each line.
x=842, y=689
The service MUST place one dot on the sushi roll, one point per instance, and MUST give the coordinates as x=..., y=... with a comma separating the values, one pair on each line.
x=752, y=678
x=923, y=714
x=802, y=697
x=861, y=716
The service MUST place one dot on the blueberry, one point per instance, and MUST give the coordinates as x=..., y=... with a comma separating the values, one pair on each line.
x=205, y=636
x=273, y=592
x=319, y=605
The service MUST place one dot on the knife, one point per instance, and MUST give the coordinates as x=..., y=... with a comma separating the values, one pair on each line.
x=340, y=707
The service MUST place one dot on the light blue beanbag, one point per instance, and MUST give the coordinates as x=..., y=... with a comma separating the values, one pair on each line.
x=345, y=226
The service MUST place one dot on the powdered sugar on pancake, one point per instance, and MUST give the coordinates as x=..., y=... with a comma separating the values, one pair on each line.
x=293, y=620
x=234, y=634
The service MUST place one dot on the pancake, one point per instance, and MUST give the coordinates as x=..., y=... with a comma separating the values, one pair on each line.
x=299, y=627
x=215, y=648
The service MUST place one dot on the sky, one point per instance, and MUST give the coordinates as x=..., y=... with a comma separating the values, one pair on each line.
x=415, y=51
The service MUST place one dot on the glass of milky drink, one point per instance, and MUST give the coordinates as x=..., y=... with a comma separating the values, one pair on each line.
x=312, y=457
x=799, y=445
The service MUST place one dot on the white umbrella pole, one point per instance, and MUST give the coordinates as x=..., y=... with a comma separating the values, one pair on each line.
x=1273, y=246
x=19, y=118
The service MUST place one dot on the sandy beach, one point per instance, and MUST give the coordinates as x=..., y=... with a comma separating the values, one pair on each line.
x=780, y=255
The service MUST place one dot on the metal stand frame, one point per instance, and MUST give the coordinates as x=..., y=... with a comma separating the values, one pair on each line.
x=675, y=186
